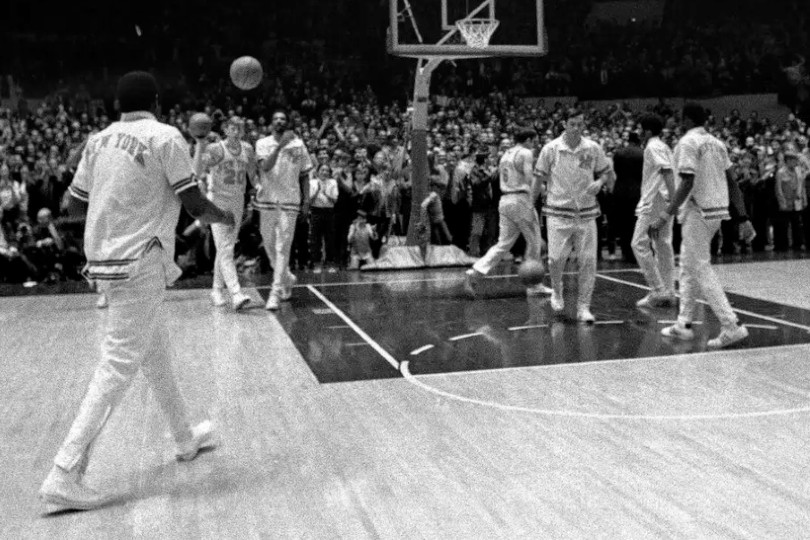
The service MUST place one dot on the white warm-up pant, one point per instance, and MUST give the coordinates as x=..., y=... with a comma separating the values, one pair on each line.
x=656, y=259
x=580, y=237
x=278, y=229
x=225, y=237
x=516, y=216
x=136, y=339
x=697, y=275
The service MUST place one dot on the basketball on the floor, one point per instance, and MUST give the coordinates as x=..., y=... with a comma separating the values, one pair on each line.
x=246, y=73
x=531, y=272
x=199, y=125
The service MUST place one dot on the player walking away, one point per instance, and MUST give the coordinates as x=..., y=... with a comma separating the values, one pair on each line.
x=519, y=191
x=574, y=170
x=231, y=161
x=656, y=258
x=283, y=193
x=702, y=201
x=131, y=181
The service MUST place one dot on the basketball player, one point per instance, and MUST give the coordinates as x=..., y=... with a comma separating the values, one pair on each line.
x=131, y=181
x=702, y=201
x=574, y=170
x=283, y=193
x=519, y=191
x=231, y=161
x=657, y=189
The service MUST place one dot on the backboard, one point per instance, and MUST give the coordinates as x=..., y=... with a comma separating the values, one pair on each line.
x=427, y=28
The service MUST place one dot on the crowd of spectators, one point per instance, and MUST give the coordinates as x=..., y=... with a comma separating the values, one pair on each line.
x=361, y=146
x=697, y=49
x=347, y=100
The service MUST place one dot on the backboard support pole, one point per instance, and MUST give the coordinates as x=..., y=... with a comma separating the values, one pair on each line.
x=419, y=149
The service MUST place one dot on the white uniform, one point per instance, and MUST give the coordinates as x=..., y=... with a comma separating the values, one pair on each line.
x=571, y=212
x=279, y=201
x=658, y=266
x=516, y=209
x=226, y=189
x=130, y=174
x=706, y=157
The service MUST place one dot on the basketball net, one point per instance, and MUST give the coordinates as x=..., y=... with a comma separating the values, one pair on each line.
x=477, y=32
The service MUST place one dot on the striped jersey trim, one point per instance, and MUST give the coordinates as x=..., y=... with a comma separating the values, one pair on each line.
x=95, y=276
x=572, y=213
x=284, y=207
x=714, y=213
x=115, y=269
x=78, y=193
x=183, y=185
x=111, y=262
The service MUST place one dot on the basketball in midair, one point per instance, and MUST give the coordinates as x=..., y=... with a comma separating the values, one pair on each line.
x=531, y=272
x=246, y=73
x=199, y=125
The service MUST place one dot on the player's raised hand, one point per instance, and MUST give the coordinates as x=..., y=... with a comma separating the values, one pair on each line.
x=286, y=138
x=202, y=142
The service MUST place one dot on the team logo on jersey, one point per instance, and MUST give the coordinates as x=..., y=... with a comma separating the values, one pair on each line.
x=586, y=161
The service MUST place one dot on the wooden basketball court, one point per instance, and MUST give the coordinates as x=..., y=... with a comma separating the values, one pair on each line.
x=394, y=406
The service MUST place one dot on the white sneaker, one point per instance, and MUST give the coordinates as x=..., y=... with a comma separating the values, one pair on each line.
x=317, y=270
x=678, y=331
x=557, y=302
x=273, y=302
x=64, y=490
x=652, y=300
x=539, y=290
x=728, y=337
x=218, y=297
x=203, y=436
x=239, y=300
x=286, y=294
x=584, y=315
x=102, y=303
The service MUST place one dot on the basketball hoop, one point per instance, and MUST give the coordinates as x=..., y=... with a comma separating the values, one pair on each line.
x=477, y=32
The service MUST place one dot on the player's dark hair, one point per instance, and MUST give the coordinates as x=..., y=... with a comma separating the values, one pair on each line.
x=695, y=112
x=524, y=134
x=652, y=123
x=136, y=91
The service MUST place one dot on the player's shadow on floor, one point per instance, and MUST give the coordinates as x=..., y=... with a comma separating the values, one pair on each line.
x=206, y=476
